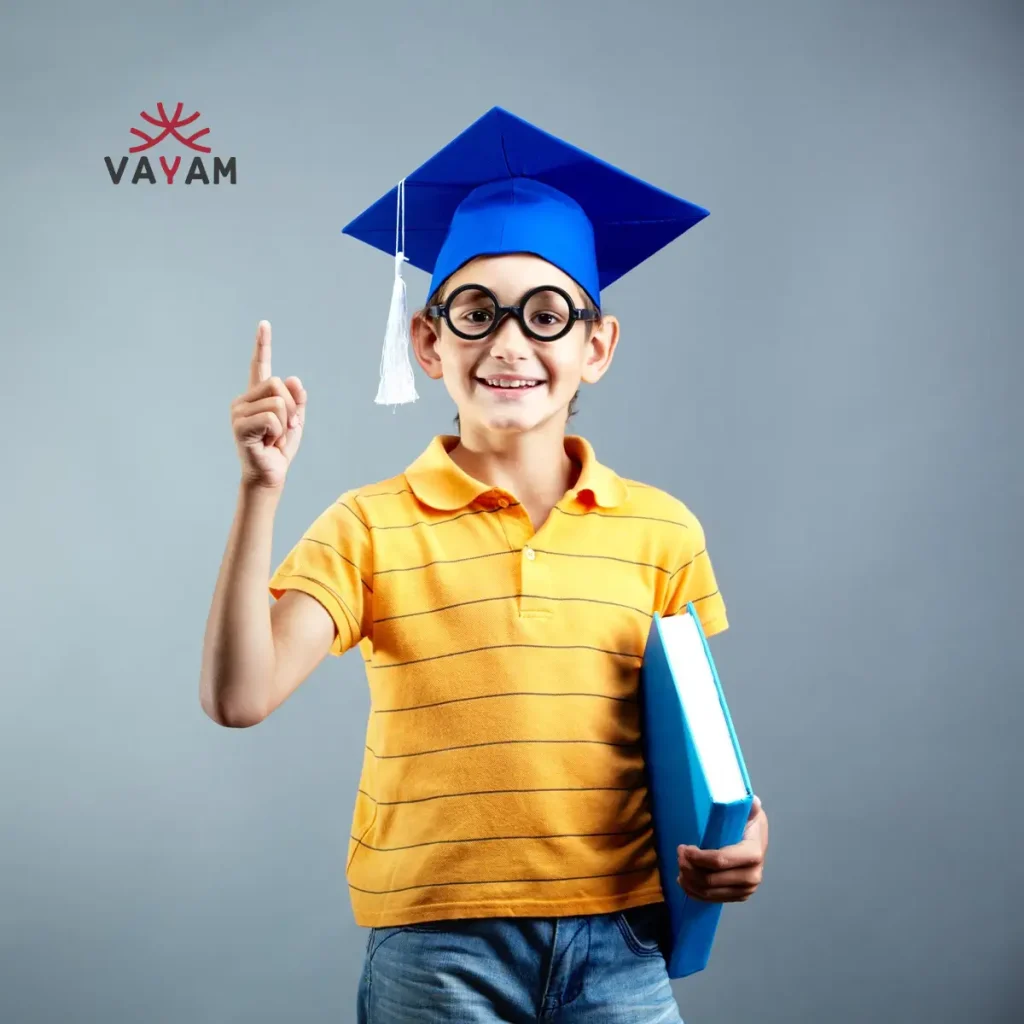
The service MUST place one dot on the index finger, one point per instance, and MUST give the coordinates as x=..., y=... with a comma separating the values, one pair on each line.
x=259, y=368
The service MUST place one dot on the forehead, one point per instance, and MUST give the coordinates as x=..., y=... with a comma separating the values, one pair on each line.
x=510, y=275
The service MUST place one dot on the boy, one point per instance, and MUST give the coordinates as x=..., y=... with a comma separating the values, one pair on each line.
x=501, y=590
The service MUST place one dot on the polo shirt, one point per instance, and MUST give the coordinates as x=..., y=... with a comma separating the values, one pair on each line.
x=503, y=770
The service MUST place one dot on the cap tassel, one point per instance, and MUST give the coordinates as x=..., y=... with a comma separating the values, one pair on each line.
x=397, y=384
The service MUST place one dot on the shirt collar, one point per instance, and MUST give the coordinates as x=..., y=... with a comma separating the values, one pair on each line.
x=439, y=483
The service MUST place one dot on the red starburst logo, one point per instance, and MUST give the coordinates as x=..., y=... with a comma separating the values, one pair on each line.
x=170, y=126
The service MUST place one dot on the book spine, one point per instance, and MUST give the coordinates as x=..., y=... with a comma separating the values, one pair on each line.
x=726, y=824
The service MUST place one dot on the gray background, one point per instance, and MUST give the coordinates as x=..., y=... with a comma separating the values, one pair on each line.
x=826, y=370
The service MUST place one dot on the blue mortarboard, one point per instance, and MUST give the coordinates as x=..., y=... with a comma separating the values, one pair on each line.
x=506, y=186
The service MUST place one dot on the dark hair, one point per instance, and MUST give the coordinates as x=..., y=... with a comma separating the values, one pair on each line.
x=590, y=325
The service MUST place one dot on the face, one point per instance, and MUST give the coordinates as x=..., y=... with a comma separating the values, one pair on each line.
x=508, y=381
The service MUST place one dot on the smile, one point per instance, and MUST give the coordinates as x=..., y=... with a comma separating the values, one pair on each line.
x=506, y=384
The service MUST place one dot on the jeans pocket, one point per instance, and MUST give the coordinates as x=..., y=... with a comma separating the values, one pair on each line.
x=644, y=928
x=379, y=935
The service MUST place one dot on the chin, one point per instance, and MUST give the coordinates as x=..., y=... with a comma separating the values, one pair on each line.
x=517, y=421
x=507, y=423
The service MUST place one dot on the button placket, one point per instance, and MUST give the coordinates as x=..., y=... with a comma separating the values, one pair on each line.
x=534, y=572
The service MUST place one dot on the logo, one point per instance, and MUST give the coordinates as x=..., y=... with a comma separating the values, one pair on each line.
x=170, y=128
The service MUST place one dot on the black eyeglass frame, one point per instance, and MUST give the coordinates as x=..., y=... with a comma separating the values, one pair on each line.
x=576, y=313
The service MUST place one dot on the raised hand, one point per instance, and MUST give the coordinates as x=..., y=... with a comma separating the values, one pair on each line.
x=268, y=419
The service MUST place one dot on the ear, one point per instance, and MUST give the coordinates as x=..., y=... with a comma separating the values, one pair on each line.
x=600, y=348
x=425, y=339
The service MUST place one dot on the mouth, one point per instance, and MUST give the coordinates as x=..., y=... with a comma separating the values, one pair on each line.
x=509, y=385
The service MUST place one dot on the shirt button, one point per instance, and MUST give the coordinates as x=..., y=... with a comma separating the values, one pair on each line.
x=530, y=553
x=503, y=502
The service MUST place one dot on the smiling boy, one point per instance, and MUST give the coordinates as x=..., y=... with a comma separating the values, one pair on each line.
x=501, y=590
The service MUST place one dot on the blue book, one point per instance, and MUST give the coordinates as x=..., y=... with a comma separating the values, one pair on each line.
x=699, y=790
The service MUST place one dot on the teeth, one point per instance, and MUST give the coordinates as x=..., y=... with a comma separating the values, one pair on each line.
x=512, y=383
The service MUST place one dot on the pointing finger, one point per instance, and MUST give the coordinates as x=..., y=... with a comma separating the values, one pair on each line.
x=259, y=368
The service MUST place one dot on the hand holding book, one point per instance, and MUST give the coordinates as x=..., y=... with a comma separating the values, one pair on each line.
x=731, y=874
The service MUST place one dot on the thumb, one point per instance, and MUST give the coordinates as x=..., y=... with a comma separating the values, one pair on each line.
x=294, y=433
x=755, y=820
x=755, y=810
x=298, y=393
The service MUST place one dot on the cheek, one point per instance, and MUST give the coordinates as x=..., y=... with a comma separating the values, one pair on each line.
x=564, y=367
x=456, y=364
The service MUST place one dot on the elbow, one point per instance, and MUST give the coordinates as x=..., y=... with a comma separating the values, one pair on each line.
x=230, y=714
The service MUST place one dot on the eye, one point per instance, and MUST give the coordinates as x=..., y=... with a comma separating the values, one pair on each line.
x=547, y=312
x=546, y=318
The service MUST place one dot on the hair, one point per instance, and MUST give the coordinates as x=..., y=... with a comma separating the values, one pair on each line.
x=590, y=325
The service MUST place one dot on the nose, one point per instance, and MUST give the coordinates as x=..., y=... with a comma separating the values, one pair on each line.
x=508, y=342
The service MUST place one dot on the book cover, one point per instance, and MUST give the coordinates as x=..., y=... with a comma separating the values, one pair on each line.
x=697, y=781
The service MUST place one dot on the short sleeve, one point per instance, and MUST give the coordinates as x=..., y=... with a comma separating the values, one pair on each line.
x=693, y=580
x=333, y=563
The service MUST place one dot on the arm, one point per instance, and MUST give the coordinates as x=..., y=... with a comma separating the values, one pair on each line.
x=255, y=655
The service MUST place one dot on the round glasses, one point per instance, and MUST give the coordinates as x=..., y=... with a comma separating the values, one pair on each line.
x=545, y=313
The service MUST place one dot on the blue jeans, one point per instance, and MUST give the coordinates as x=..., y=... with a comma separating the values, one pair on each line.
x=597, y=969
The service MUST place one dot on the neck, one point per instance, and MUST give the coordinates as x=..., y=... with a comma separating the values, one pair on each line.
x=532, y=465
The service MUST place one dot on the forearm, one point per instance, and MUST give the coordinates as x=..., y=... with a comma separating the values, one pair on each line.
x=238, y=651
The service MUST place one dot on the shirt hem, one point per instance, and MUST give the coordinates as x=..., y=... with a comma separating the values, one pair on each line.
x=517, y=908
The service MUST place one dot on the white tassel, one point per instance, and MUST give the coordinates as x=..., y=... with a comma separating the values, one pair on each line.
x=397, y=384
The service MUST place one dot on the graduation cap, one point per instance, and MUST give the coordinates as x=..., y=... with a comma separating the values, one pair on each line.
x=505, y=186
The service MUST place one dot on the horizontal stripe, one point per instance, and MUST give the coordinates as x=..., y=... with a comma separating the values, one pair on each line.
x=607, y=558
x=385, y=494
x=497, y=792
x=513, y=597
x=445, y=561
x=441, y=522
x=506, y=881
x=498, y=839
x=344, y=558
x=686, y=565
x=510, y=693
x=498, y=647
x=492, y=743
x=606, y=515
x=323, y=586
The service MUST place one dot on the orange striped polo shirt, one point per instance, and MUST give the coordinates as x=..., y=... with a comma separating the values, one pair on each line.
x=503, y=769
